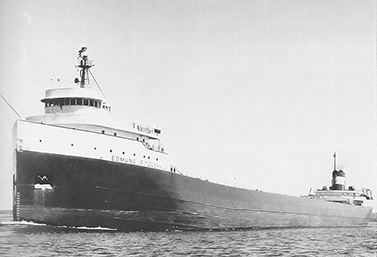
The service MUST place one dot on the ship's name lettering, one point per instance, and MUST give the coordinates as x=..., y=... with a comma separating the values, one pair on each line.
x=116, y=158
x=148, y=163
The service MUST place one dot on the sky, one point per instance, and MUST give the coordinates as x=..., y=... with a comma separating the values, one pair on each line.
x=254, y=94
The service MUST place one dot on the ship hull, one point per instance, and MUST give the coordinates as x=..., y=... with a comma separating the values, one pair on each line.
x=76, y=191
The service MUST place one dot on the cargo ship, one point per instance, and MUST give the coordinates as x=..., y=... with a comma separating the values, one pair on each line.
x=77, y=166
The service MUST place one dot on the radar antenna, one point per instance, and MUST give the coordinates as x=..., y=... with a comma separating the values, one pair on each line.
x=85, y=64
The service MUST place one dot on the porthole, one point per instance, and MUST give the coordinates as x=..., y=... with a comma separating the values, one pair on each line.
x=103, y=132
x=156, y=159
x=123, y=153
x=134, y=154
x=115, y=134
x=111, y=151
x=95, y=148
x=40, y=140
x=149, y=157
x=71, y=144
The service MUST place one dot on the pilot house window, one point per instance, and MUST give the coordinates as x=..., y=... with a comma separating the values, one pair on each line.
x=72, y=102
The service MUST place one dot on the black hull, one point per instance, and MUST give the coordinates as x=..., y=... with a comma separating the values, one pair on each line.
x=92, y=193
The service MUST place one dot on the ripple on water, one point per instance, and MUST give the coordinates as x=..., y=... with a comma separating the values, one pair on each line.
x=29, y=240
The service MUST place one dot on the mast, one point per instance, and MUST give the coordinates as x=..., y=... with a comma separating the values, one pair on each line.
x=334, y=160
x=85, y=64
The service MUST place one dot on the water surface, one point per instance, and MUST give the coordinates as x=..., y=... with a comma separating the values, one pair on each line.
x=29, y=239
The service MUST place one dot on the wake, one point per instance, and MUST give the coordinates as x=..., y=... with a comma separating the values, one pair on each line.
x=30, y=223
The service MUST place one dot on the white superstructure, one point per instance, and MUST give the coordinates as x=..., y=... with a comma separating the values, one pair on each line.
x=338, y=193
x=78, y=122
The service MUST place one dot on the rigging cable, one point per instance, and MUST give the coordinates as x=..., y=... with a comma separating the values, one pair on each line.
x=96, y=83
x=5, y=100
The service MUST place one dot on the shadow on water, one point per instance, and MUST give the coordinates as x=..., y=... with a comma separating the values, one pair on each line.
x=6, y=219
x=30, y=239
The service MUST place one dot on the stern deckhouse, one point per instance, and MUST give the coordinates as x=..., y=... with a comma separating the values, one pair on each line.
x=339, y=193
